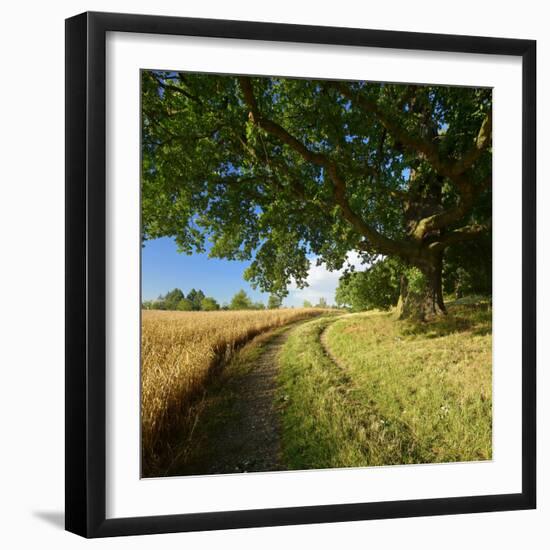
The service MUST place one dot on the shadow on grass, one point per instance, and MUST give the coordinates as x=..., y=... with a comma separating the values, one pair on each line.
x=475, y=318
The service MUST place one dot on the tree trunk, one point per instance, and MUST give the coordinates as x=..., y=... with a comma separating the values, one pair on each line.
x=422, y=299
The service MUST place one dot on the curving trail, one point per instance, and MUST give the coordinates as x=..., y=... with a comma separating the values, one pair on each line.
x=243, y=434
x=328, y=352
x=252, y=441
x=239, y=428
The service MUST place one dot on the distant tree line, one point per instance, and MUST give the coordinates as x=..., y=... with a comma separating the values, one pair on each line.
x=196, y=300
x=241, y=300
x=176, y=300
x=322, y=304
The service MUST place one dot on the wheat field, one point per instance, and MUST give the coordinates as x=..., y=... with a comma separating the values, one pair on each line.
x=179, y=351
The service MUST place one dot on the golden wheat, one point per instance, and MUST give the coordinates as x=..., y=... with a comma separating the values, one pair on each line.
x=178, y=353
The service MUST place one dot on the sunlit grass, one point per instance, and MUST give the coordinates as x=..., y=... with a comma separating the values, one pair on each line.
x=395, y=393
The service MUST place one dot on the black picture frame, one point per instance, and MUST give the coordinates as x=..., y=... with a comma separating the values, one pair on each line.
x=86, y=275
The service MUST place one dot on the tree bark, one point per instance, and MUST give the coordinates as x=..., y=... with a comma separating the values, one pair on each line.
x=423, y=301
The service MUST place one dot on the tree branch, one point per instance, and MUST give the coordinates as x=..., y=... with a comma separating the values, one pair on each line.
x=426, y=148
x=275, y=129
x=483, y=140
x=163, y=84
x=465, y=233
x=452, y=215
x=383, y=244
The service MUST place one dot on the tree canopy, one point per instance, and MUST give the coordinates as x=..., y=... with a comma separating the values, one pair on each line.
x=172, y=299
x=276, y=170
x=375, y=288
x=196, y=297
x=175, y=300
x=209, y=304
x=241, y=301
x=184, y=305
x=274, y=302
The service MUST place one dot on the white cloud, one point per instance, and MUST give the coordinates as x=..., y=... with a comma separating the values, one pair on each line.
x=322, y=283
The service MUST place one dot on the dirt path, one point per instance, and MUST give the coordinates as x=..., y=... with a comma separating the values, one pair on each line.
x=328, y=352
x=240, y=430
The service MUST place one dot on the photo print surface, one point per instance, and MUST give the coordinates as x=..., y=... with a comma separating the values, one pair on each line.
x=316, y=274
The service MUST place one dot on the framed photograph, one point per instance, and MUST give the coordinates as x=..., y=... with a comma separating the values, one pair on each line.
x=300, y=274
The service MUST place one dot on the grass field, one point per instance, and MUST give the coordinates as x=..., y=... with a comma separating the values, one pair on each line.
x=179, y=352
x=350, y=389
x=369, y=390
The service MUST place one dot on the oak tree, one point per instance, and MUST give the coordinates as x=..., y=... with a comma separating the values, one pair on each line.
x=275, y=171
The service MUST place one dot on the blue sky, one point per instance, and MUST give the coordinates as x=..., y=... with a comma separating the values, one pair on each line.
x=164, y=268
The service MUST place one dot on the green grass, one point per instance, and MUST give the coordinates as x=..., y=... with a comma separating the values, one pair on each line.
x=391, y=392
